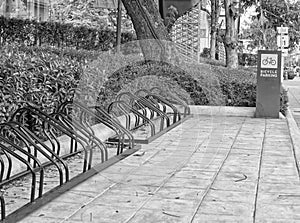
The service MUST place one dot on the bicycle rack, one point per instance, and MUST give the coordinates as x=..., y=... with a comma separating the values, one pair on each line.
x=32, y=140
x=35, y=150
x=51, y=123
x=173, y=99
x=98, y=115
x=126, y=110
x=151, y=111
x=141, y=103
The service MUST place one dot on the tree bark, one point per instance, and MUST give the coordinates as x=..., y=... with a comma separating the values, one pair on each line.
x=230, y=39
x=215, y=13
x=148, y=25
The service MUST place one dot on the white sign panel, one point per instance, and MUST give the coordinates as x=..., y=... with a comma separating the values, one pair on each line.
x=283, y=40
x=269, y=61
x=283, y=30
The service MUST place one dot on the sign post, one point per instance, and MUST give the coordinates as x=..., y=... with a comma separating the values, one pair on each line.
x=268, y=84
x=283, y=43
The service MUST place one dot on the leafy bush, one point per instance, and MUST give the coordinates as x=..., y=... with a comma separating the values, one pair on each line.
x=81, y=55
x=168, y=86
x=32, y=76
x=33, y=33
x=197, y=86
x=247, y=59
x=237, y=85
x=44, y=75
x=205, y=53
x=283, y=100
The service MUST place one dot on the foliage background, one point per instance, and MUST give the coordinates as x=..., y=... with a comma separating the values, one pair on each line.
x=45, y=75
x=33, y=33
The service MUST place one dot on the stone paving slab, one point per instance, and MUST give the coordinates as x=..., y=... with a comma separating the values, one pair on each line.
x=209, y=169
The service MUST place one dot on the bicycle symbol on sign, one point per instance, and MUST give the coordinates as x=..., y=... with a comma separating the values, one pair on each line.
x=269, y=61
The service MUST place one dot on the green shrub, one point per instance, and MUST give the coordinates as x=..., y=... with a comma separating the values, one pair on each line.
x=212, y=62
x=283, y=101
x=186, y=76
x=81, y=55
x=247, y=59
x=32, y=76
x=34, y=33
x=205, y=53
x=237, y=85
x=40, y=74
x=168, y=86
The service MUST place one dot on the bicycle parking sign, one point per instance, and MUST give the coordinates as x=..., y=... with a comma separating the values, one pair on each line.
x=269, y=61
x=268, y=84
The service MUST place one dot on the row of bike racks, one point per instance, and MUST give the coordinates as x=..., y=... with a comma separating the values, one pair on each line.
x=144, y=107
x=32, y=136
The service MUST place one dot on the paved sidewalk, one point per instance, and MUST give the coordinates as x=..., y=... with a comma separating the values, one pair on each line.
x=224, y=169
x=293, y=87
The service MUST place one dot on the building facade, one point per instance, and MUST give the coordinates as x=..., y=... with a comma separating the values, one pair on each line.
x=25, y=9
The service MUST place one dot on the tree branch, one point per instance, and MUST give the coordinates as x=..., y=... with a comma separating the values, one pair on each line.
x=271, y=13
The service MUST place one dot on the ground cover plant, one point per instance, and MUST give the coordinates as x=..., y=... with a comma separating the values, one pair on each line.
x=35, y=76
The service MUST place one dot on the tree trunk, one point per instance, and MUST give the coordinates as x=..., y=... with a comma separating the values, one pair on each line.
x=148, y=25
x=215, y=12
x=230, y=39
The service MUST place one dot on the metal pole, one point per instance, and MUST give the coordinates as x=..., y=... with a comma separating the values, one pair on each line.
x=38, y=5
x=119, y=27
x=199, y=32
x=282, y=57
x=29, y=9
x=239, y=19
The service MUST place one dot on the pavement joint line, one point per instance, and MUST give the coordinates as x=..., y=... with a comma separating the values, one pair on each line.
x=90, y=201
x=180, y=166
x=108, y=188
x=216, y=174
x=259, y=172
x=117, y=183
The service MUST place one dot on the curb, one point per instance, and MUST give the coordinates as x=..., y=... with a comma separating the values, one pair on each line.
x=223, y=111
x=295, y=138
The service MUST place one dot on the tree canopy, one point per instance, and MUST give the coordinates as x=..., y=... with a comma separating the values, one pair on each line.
x=270, y=15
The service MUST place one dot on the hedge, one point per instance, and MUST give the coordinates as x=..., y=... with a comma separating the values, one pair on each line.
x=41, y=75
x=197, y=87
x=35, y=76
x=247, y=59
x=239, y=87
x=34, y=33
